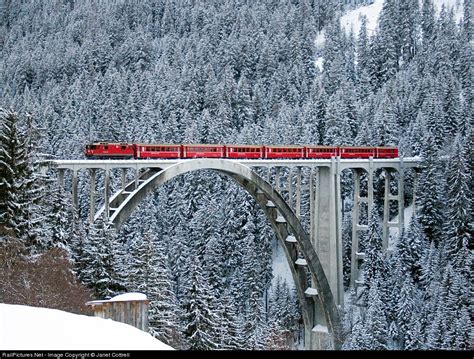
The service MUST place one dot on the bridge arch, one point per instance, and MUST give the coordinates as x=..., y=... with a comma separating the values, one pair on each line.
x=318, y=305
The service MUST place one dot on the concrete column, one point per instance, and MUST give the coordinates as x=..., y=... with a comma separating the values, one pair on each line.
x=290, y=187
x=61, y=177
x=312, y=210
x=92, y=172
x=401, y=198
x=339, y=295
x=326, y=227
x=415, y=187
x=386, y=209
x=355, y=224
x=107, y=193
x=370, y=185
x=277, y=179
x=74, y=189
x=318, y=335
x=298, y=193
x=137, y=175
x=324, y=214
x=124, y=178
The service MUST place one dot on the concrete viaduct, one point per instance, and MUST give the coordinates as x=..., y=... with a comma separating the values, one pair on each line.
x=315, y=258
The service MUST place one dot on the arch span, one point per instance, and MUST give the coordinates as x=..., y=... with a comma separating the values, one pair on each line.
x=317, y=309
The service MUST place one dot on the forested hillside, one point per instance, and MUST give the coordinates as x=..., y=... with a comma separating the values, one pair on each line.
x=237, y=71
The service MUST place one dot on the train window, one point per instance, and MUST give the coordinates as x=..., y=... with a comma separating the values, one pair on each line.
x=106, y=147
x=123, y=147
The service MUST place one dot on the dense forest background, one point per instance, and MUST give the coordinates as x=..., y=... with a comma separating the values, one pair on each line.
x=235, y=71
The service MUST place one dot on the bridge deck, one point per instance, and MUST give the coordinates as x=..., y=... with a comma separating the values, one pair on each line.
x=161, y=163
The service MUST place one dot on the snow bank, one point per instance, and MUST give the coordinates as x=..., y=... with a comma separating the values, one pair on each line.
x=29, y=328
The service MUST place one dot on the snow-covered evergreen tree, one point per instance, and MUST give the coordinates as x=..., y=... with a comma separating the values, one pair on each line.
x=200, y=321
x=15, y=176
x=458, y=228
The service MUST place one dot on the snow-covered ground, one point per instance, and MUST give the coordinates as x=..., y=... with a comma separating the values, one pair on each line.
x=352, y=18
x=30, y=328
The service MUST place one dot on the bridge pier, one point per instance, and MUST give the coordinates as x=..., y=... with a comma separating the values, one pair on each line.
x=75, y=201
x=92, y=172
x=107, y=194
x=298, y=192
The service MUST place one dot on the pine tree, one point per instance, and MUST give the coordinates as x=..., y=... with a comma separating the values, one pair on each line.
x=458, y=226
x=427, y=21
x=98, y=260
x=59, y=220
x=406, y=311
x=231, y=324
x=429, y=197
x=409, y=249
x=15, y=177
x=338, y=122
x=164, y=312
x=358, y=338
x=376, y=321
x=374, y=262
x=200, y=321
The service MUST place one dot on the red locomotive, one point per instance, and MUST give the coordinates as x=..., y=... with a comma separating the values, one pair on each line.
x=170, y=151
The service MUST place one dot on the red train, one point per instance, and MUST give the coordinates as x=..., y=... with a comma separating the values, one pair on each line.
x=147, y=150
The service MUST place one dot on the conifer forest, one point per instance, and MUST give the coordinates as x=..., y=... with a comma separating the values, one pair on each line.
x=244, y=72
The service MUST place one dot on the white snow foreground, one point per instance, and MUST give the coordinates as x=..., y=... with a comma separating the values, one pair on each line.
x=30, y=328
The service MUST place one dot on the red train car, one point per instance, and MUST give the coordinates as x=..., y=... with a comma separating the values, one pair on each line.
x=321, y=151
x=357, y=152
x=386, y=152
x=110, y=150
x=203, y=151
x=244, y=151
x=284, y=152
x=157, y=151
x=173, y=151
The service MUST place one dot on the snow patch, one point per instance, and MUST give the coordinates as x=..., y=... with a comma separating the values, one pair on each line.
x=320, y=39
x=128, y=297
x=320, y=329
x=456, y=5
x=28, y=328
x=319, y=63
x=311, y=291
x=353, y=19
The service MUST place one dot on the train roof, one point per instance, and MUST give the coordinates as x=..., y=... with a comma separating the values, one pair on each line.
x=285, y=146
x=109, y=143
x=159, y=144
x=319, y=146
x=247, y=146
x=202, y=145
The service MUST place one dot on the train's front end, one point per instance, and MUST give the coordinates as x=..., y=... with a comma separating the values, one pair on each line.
x=104, y=150
x=91, y=150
